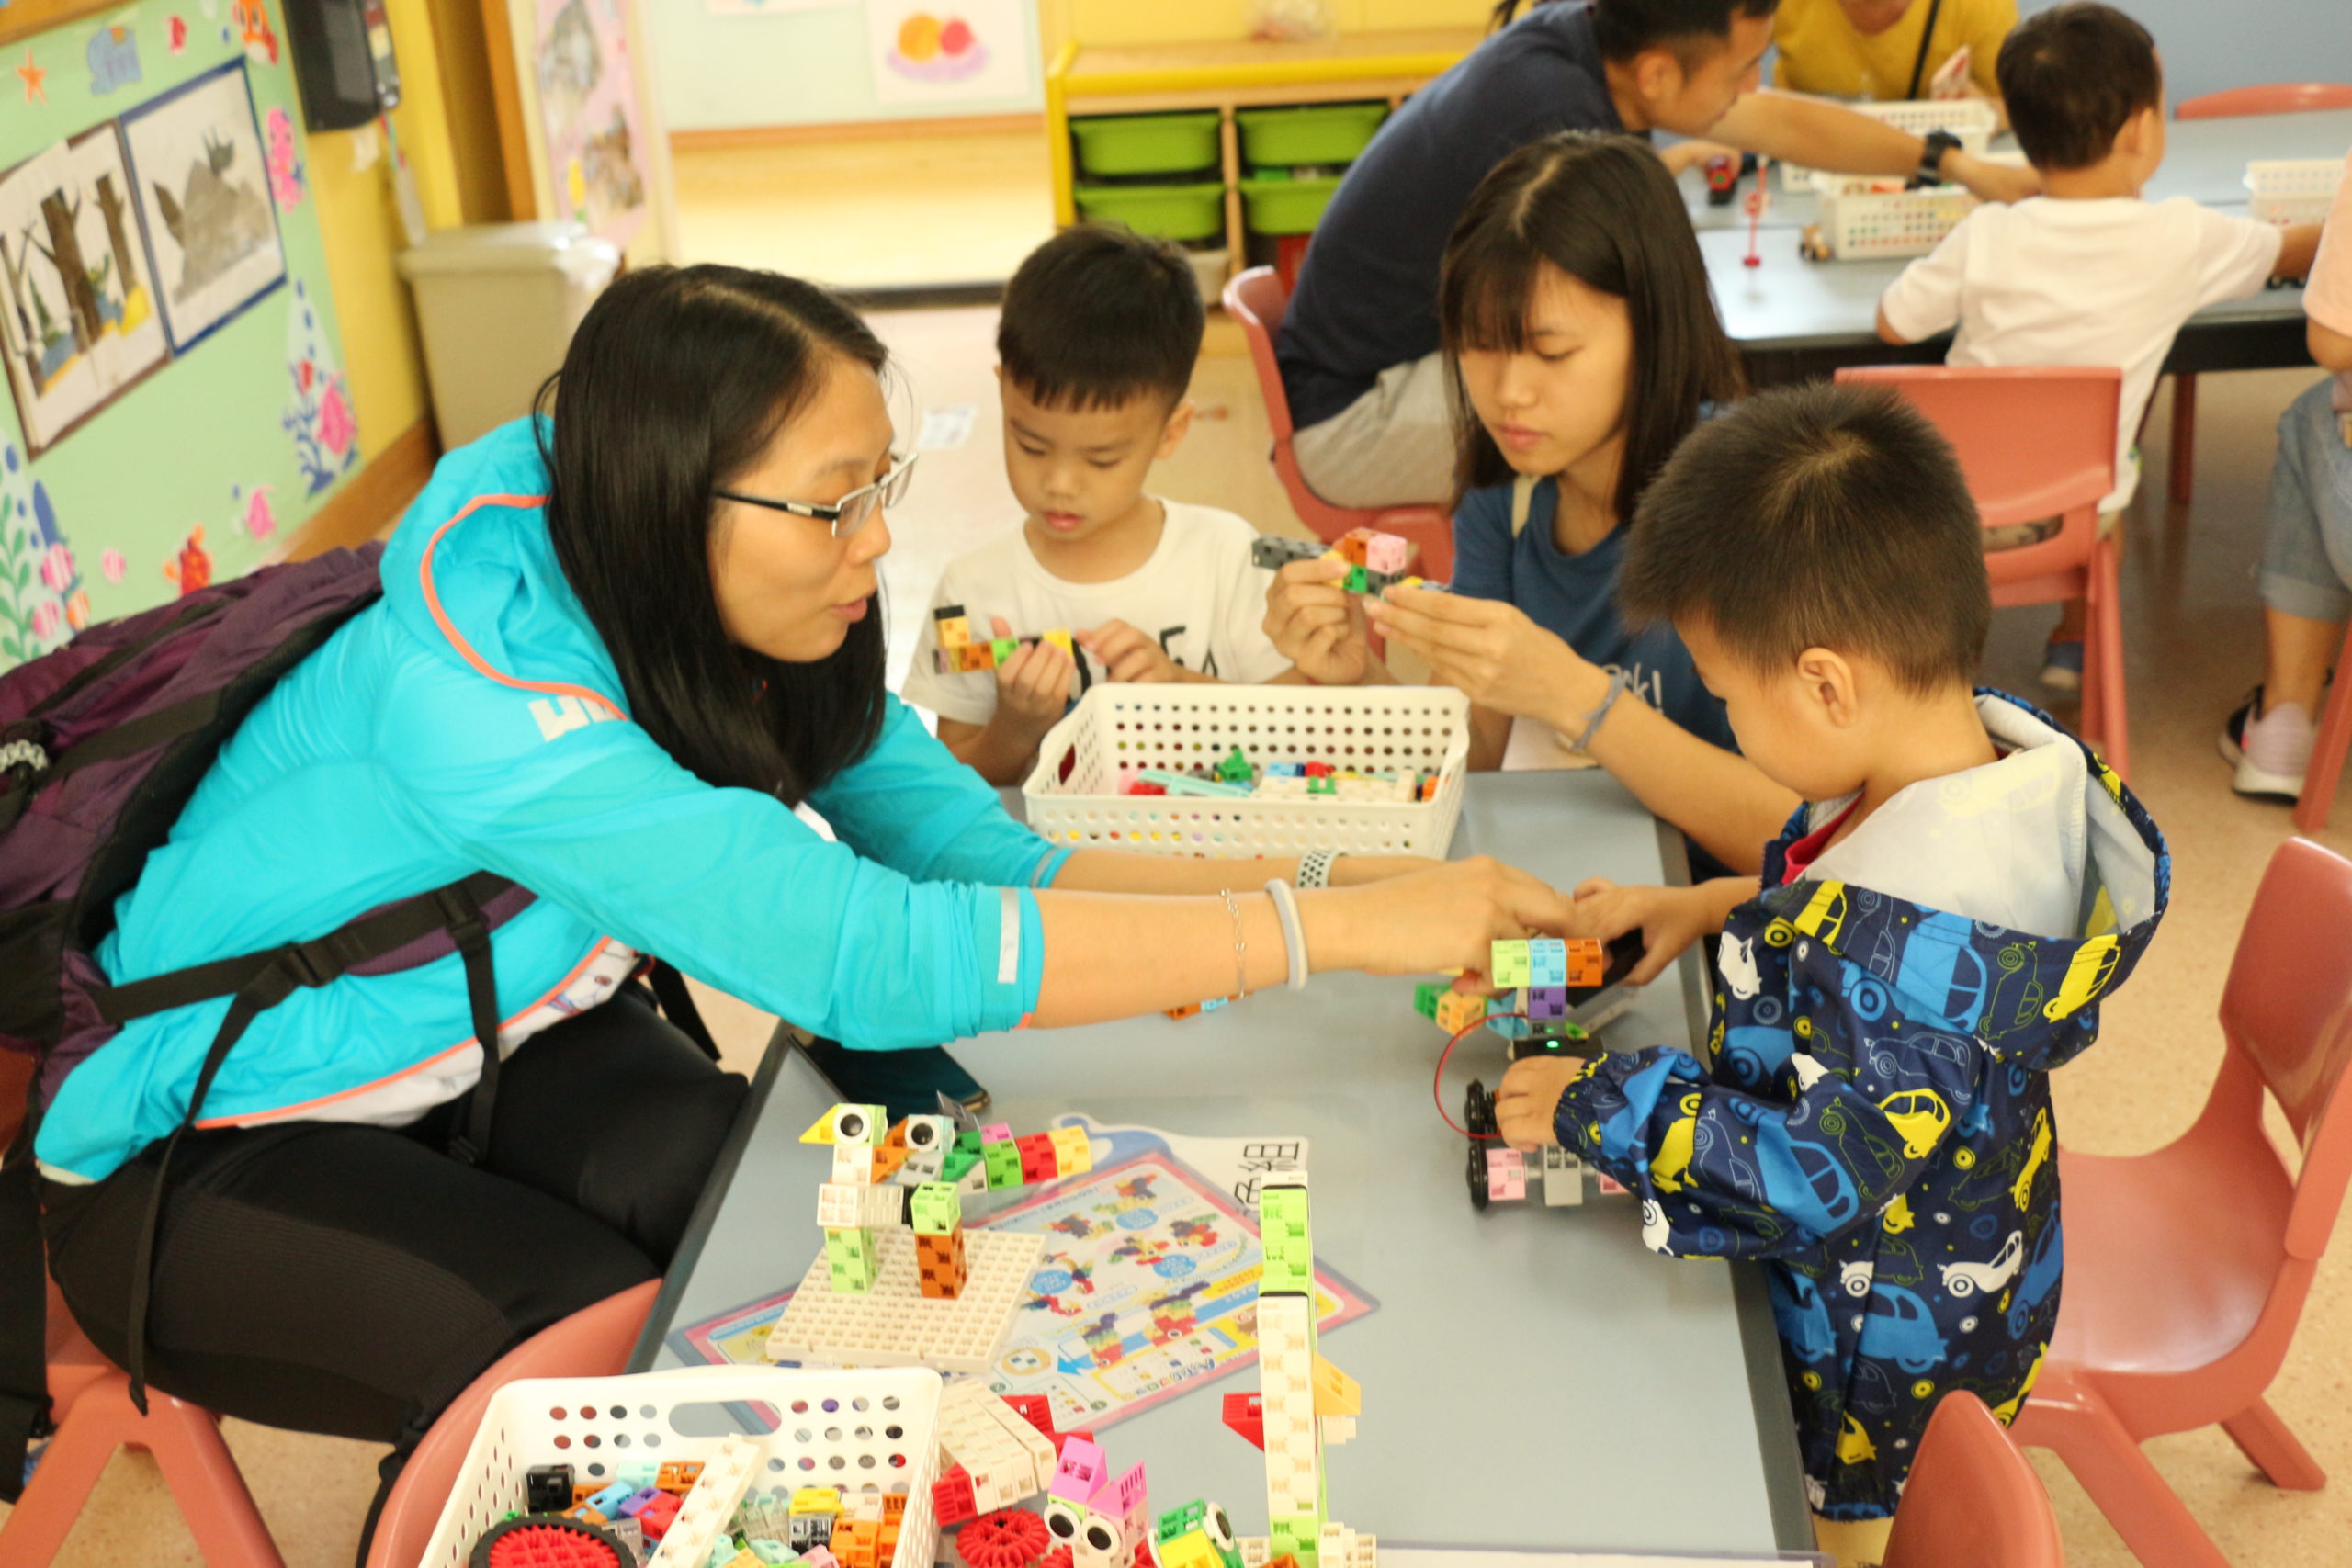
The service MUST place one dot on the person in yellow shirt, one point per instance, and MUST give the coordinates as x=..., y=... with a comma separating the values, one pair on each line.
x=1888, y=49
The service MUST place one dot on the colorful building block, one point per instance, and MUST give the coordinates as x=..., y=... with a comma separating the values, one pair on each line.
x=935, y=1210
x=940, y=1266
x=1507, y=963
x=1002, y=1162
x=1037, y=1160
x=679, y=1476
x=1073, y=1151
x=1588, y=962
x=1288, y=1259
x=546, y=1488
x=953, y=626
x=1458, y=1010
x=655, y=1516
x=1505, y=1175
x=1426, y=994
x=1547, y=962
x=850, y=1261
x=1236, y=767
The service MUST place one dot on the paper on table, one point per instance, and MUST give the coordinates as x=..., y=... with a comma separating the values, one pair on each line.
x=1535, y=747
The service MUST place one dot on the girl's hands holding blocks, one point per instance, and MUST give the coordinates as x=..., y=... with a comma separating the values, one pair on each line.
x=1319, y=625
x=1492, y=653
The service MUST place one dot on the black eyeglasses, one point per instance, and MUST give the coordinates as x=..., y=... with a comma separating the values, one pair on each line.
x=850, y=513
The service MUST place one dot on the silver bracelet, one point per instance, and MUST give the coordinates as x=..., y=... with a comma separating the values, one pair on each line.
x=1240, y=945
x=1618, y=681
x=1294, y=934
x=1314, y=868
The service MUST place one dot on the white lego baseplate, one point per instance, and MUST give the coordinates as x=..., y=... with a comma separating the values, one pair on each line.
x=894, y=1324
x=1360, y=1551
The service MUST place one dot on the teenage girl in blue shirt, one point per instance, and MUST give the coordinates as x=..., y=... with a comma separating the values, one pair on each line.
x=615, y=648
x=1576, y=322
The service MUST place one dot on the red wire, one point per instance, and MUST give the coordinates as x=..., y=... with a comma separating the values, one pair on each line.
x=1436, y=1083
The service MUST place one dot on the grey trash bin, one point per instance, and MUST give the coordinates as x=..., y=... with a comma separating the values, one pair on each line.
x=497, y=303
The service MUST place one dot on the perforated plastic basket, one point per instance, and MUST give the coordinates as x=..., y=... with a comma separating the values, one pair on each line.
x=1073, y=794
x=2292, y=190
x=1858, y=222
x=858, y=1430
x=1971, y=119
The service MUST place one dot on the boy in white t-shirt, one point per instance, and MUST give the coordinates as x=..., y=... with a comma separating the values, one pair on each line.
x=1095, y=348
x=2087, y=273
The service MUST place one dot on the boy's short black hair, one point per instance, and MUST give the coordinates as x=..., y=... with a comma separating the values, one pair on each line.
x=2071, y=76
x=1624, y=29
x=1817, y=516
x=1099, y=315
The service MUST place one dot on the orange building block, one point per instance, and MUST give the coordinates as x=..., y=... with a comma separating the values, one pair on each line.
x=940, y=1261
x=1588, y=960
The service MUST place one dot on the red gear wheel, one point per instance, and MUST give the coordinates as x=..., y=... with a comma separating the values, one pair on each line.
x=541, y=1540
x=1010, y=1538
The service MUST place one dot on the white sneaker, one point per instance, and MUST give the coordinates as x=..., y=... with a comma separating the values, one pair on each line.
x=2270, y=749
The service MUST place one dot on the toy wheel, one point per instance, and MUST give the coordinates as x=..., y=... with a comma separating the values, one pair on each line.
x=1008, y=1537
x=548, y=1540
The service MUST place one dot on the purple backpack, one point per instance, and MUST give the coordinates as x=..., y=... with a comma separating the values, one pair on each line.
x=102, y=743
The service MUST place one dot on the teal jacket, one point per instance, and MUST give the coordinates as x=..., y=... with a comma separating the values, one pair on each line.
x=472, y=720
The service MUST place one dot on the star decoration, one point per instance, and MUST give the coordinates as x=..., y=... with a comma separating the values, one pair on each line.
x=35, y=76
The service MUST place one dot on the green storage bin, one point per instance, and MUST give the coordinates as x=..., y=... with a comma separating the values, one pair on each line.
x=1110, y=145
x=1183, y=213
x=1275, y=204
x=1311, y=133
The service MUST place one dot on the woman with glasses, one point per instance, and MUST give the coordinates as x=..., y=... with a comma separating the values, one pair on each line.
x=618, y=644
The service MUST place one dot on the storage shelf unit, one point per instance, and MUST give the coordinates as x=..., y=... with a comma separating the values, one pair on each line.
x=1083, y=81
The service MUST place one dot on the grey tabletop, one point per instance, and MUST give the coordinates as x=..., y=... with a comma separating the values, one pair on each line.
x=2205, y=159
x=1589, y=1379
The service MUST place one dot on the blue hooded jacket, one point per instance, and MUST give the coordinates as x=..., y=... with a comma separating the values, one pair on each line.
x=1876, y=1125
x=472, y=720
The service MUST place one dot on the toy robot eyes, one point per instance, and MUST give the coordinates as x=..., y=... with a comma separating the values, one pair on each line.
x=922, y=1134
x=850, y=1126
x=1062, y=1521
x=1220, y=1527
x=1103, y=1535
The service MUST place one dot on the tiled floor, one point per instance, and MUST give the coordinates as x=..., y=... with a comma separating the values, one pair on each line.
x=2192, y=624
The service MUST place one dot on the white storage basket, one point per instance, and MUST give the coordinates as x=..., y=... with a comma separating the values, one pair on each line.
x=1858, y=223
x=857, y=1430
x=1073, y=794
x=2292, y=190
x=1971, y=119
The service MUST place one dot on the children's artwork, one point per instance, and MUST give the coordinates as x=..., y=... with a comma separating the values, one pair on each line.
x=318, y=406
x=1148, y=1283
x=41, y=602
x=79, y=322
x=286, y=182
x=944, y=50
x=588, y=106
x=252, y=19
x=112, y=55
x=203, y=183
x=769, y=8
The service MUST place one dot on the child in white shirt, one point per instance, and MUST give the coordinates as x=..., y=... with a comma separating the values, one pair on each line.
x=2088, y=273
x=1096, y=344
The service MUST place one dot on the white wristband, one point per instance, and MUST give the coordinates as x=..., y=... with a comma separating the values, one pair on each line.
x=1294, y=934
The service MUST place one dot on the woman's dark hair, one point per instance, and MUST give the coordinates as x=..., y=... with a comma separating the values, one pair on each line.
x=675, y=381
x=1604, y=210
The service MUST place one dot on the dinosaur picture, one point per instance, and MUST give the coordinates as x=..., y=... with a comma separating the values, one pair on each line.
x=203, y=187
x=78, y=320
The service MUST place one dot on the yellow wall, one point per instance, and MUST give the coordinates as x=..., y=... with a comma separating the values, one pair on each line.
x=1125, y=21
x=361, y=228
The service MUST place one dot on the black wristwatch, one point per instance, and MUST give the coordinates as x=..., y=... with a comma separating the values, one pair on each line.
x=1936, y=143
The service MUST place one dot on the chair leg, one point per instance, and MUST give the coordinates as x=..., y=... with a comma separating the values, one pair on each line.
x=2275, y=1451
x=2076, y=1425
x=2103, y=715
x=2327, y=749
x=2184, y=437
x=69, y=1468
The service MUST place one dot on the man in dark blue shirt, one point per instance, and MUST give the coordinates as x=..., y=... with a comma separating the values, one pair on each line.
x=1359, y=342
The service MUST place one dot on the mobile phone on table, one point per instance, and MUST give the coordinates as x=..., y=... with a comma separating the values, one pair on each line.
x=905, y=1083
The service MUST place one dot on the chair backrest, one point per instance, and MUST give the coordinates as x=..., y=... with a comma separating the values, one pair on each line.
x=1257, y=299
x=594, y=1342
x=1972, y=1499
x=2066, y=466
x=2274, y=97
x=2287, y=1009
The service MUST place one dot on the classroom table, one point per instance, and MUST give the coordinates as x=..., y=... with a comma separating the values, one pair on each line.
x=1532, y=1378
x=1796, y=320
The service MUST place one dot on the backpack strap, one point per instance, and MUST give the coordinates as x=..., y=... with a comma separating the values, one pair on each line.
x=260, y=981
x=678, y=1006
x=24, y=1316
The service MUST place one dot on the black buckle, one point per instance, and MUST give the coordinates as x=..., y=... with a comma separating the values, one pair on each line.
x=303, y=965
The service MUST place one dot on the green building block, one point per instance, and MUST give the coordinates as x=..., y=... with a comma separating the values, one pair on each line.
x=1289, y=1261
x=935, y=1210
x=1359, y=581
x=1236, y=767
x=1176, y=1521
x=1003, y=1162
x=959, y=1161
x=1299, y=1536
x=850, y=1261
x=1425, y=998
x=1004, y=648
x=1507, y=965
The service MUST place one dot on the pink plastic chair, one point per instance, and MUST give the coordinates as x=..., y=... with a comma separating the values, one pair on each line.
x=1972, y=1499
x=2063, y=470
x=1257, y=298
x=2186, y=1269
x=90, y=1402
x=592, y=1342
x=2326, y=766
x=2276, y=97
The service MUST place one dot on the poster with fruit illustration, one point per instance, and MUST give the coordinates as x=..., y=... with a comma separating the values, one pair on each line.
x=928, y=52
